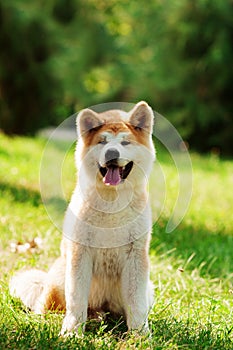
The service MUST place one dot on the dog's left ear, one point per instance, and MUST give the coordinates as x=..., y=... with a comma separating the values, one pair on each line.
x=142, y=117
x=86, y=121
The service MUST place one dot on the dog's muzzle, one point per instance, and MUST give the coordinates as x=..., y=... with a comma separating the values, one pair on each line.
x=114, y=174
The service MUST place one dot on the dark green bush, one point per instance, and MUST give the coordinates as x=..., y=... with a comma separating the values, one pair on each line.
x=30, y=91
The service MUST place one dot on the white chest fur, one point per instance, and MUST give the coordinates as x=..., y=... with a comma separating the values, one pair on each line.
x=99, y=223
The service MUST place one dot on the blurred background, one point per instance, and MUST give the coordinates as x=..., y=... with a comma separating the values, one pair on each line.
x=59, y=56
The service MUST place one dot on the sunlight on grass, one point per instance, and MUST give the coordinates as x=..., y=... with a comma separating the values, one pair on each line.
x=191, y=267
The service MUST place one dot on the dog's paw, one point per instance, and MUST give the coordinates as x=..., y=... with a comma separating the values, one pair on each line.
x=142, y=330
x=145, y=332
x=71, y=327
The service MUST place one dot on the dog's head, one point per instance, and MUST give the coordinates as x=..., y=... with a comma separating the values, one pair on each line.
x=114, y=145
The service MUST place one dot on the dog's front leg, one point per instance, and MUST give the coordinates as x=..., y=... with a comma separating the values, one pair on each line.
x=136, y=290
x=77, y=288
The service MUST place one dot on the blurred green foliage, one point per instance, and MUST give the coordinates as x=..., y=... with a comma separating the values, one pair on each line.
x=58, y=56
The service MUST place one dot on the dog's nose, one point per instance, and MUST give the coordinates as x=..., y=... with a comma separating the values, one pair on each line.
x=111, y=155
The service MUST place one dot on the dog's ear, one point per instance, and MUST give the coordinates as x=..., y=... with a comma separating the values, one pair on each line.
x=142, y=117
x=86, y=121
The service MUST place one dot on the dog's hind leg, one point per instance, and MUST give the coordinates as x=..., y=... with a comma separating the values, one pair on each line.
x=52, y=298
x=53, y=294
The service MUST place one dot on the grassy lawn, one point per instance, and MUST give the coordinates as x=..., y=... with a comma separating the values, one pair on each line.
x=191, y=267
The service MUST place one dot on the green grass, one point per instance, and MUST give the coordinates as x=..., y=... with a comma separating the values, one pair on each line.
x=191, y=267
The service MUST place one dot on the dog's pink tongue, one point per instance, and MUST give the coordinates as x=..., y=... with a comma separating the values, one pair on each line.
x=112, y=177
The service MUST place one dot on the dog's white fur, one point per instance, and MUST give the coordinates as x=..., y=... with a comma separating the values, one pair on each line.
x=104, y=260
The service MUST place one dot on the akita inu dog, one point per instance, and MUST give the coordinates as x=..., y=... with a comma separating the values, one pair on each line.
x=104, y=263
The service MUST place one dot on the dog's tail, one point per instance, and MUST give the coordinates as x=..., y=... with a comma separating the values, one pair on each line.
x=28, y=286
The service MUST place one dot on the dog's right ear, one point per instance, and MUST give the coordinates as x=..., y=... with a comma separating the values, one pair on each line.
x=86, y=121
x=142, y=117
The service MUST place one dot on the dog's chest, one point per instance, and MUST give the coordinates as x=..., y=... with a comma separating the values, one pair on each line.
x=108, y=262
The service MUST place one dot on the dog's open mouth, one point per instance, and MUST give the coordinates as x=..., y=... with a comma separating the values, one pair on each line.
x=113, y=174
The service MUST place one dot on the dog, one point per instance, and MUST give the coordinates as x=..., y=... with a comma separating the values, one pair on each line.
x=104, y=262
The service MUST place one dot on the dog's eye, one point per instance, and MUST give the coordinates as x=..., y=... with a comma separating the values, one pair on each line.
x=125, y=143
x=102, y=142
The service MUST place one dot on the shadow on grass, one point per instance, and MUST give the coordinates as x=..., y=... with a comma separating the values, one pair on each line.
x=212, y=251
x=20, y=194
